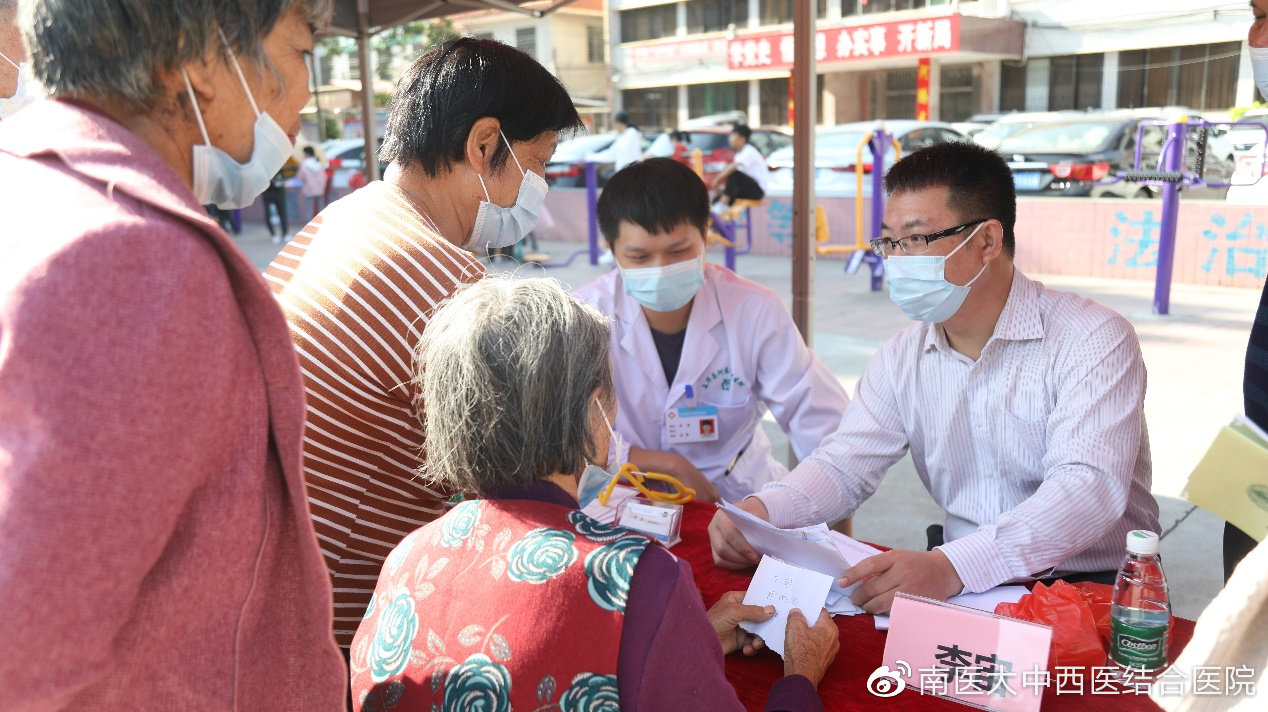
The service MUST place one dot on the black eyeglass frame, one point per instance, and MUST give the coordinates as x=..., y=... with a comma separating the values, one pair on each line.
x=879, y=244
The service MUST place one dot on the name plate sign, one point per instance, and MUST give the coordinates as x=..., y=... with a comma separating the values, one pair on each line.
x=980, y=659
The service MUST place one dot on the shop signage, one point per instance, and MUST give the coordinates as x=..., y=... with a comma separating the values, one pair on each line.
x=677, y=51
x=846, y=44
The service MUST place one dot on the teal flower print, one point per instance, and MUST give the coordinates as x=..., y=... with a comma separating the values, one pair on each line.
x=458, y=524
x=591, y=693
x=398, y=555
x=393, y=637
x=610, y=569
x=541, y=555
x=593, y=529
x=478, y=684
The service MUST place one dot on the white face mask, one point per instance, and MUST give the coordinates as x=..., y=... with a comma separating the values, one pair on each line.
x=918, y=285
x=22, y=94
x=594, y=478
x=496, y=226
x=218, y=178
x=1259, y=68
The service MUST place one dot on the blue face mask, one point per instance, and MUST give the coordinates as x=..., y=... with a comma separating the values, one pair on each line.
x=496, y=226
x=664, y=289
x=219, y=179
x=918, y=285
x=594, y=478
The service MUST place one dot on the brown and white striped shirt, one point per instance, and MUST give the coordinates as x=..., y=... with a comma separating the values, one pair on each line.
x=358, y=285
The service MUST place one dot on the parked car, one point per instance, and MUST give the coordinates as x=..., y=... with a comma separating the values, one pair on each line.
x=1075, y=155
x=836, y=153
x=567, y=168
x=1008, y=124
x=345, y=157
x=714, y=143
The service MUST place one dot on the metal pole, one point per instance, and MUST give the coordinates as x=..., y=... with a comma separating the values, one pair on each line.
x=803, y=168
x=880, y=147
x=1172, y=162
x=592, y=200
x=367, y=90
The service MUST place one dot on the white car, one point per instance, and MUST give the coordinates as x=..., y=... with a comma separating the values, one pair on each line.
x=347, y=157
x=836, y=152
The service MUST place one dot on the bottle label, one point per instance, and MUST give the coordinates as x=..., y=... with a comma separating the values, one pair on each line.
x=1138, y=646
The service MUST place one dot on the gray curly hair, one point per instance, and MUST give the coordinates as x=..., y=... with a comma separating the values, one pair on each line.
x=113, y=50
x=509, y=369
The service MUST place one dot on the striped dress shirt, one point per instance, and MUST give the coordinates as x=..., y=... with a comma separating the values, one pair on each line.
x=1038, y=451
x=358, y=284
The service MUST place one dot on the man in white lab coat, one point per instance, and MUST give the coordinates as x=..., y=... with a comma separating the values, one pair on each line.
x=699, y=354
x=626, y=149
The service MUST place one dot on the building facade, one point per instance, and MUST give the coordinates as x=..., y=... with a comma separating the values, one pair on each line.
x=675, y=60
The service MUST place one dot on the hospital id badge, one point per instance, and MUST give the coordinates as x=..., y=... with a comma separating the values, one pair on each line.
x=698, y=424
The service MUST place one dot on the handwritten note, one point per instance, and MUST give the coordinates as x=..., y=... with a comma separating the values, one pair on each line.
x=785, y=587
x=816, y=548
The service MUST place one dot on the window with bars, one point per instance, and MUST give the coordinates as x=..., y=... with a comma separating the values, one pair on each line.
x=1074, y=82
x=772, y=96
x=526, y=41
x=899, y=100
x=651, y=108
x=649, y=23
x=779, y=12
x=715, y=15
x=594, y=44
x=1012, y=87
x=958, y=97
x=1196, y=76
x=705, y=99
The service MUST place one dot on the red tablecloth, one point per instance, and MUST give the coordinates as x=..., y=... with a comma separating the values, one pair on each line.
x=862, y=647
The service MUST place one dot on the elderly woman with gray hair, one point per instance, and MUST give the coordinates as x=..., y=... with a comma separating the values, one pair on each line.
x=518, y=599
x=156, y=544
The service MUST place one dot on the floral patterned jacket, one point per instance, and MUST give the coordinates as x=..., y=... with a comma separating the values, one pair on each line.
x=499, y=603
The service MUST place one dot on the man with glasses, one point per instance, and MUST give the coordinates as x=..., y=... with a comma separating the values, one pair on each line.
x=1023, y=407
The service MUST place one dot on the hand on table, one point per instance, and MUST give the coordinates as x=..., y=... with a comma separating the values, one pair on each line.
x=730, y=549
x=726, y=614
x=809, y=650
x=921, y=573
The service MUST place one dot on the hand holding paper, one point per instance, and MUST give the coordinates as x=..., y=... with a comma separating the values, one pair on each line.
x=785, y=587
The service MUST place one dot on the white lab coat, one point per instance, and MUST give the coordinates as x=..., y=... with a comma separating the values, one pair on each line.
x=735, y=324
x=626, y=149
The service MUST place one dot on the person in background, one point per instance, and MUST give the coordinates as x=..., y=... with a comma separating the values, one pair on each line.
x=312, y=181
x=157, y=550
x=627, y=148
x=275, y=198
x=359, y=285
x=12, y=57
x=688, y=333
x=681, y=150
x=1022, y=407
x=747, y=176
x=518, y=599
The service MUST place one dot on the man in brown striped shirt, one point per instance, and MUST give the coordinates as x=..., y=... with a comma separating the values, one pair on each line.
x=359, y=283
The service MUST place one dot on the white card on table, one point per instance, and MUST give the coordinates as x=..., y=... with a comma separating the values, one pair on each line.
x=785, y=587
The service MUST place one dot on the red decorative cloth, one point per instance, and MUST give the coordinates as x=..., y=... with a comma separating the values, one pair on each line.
x=496, y=592
x=844, y=687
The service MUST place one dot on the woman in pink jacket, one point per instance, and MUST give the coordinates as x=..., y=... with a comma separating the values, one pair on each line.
x=156, y=550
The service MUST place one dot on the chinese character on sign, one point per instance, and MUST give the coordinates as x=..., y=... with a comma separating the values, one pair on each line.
x=844, y=45
x=821, y=46
x=924, y=36
x=786, y=49
x=942, y=34
x=1171, y=682
x=1208, y=680
x=876, y=40
x=1069, y=681
x=1146, y=252
x=763, y=52
x=862, y=38
x=922, y=96
x=995, y=674
x=1104, y=681
x=1036, y=680
x=953, y=659
x=1241, y=681
x=737, y=54
x=750, y=53
x=933, y=681
x=906, y=37
x=1238, y=259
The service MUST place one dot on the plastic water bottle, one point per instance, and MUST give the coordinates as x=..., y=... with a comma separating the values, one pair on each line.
x=1141, y=612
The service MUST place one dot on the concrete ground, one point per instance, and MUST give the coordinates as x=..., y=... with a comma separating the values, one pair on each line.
x=1194, y=357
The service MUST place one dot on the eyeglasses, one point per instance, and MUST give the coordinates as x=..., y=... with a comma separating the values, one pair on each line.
x=917, y=244
x=681, y=495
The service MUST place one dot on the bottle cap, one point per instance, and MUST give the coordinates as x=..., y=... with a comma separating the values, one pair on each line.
x=1142, y=542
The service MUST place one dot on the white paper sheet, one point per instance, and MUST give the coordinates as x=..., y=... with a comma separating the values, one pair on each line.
x=816, y=548
x=784, y=586
x=984, y=601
